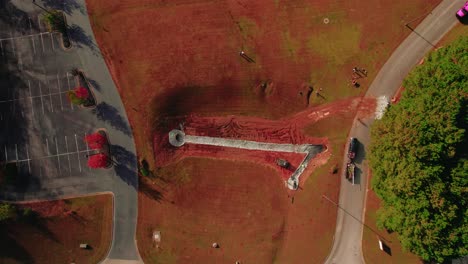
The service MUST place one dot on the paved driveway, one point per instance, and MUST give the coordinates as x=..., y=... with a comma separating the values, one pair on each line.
x=348, y=235
x=42, y=133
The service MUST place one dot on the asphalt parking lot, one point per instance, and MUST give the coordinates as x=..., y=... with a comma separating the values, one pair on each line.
x=40, y=130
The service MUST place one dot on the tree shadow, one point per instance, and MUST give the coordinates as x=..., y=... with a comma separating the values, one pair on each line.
x=40, y=225
x=15, y=18
x=110, y=114
x=67, y=6
x=125, y=164
x=95, y=84
x=81, y=39
x=11, y=249
x=150, y=191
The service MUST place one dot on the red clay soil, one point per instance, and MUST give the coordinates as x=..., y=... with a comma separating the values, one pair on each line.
x=242, y=206
x=181, y=57
x=285, y=131
x=55, y=231
x=396, y=98
x=178, y=61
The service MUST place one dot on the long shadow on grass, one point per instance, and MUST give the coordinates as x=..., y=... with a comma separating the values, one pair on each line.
x=125, y=164
x=182, y=100
x=150, y=191
x=110, y=114
x=10, y=249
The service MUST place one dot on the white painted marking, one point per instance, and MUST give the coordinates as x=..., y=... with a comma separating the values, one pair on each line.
x=30, y=26
x=58, y=84
x=29, y=163
x=87, y=148
x=50, y=94
x=69, y=89
x=42, y=101
x=52, y=41
x=40, y=168
x=25, y=36
x=33, y=45
x=20, y=62
x=58, y=157
x=68, y=156
x=77, y=149
x=47, y=145
x=42, y=44
x=13, y=44
x=30, y=97
x=53, y=156
x=39, y=23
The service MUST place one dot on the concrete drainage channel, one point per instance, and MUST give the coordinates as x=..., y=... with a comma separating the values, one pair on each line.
x=178, y=138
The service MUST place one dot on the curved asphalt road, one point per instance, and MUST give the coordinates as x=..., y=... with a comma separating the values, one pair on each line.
x=348, y=235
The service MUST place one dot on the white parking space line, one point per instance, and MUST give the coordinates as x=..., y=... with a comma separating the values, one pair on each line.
x=54, y=156
x=16, y=149
x=31, y=32
x=42, y=101
x=79, y=160
x=68, y=156
x=29, y=163
x=20, y=62
x=58, y=84
x=87, y=148
x=58, y=157
x=42, y=42
x=50, y=92
x=12, y=44
x=40, y=168
x=31, y=98
x=47, y=145
x=69, y=88
x=39, y=23
x=25, y=36
x=30, y=26
x=33, y=45
x=52, y=41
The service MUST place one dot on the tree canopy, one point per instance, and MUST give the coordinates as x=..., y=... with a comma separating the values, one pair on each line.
x=419, y=159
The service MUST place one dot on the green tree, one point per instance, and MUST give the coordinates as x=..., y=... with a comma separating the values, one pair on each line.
x=419, y=159
x=7, y=211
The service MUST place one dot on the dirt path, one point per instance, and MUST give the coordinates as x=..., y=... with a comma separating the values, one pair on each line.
x=178, y=138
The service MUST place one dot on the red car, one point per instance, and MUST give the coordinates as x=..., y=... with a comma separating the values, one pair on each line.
x=463, y=11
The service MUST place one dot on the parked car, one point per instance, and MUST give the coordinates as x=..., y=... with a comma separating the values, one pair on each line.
x=463, y=11
x=352, y=148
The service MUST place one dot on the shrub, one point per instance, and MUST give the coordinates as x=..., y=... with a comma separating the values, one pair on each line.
x=97, y=161
x=96, y=140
